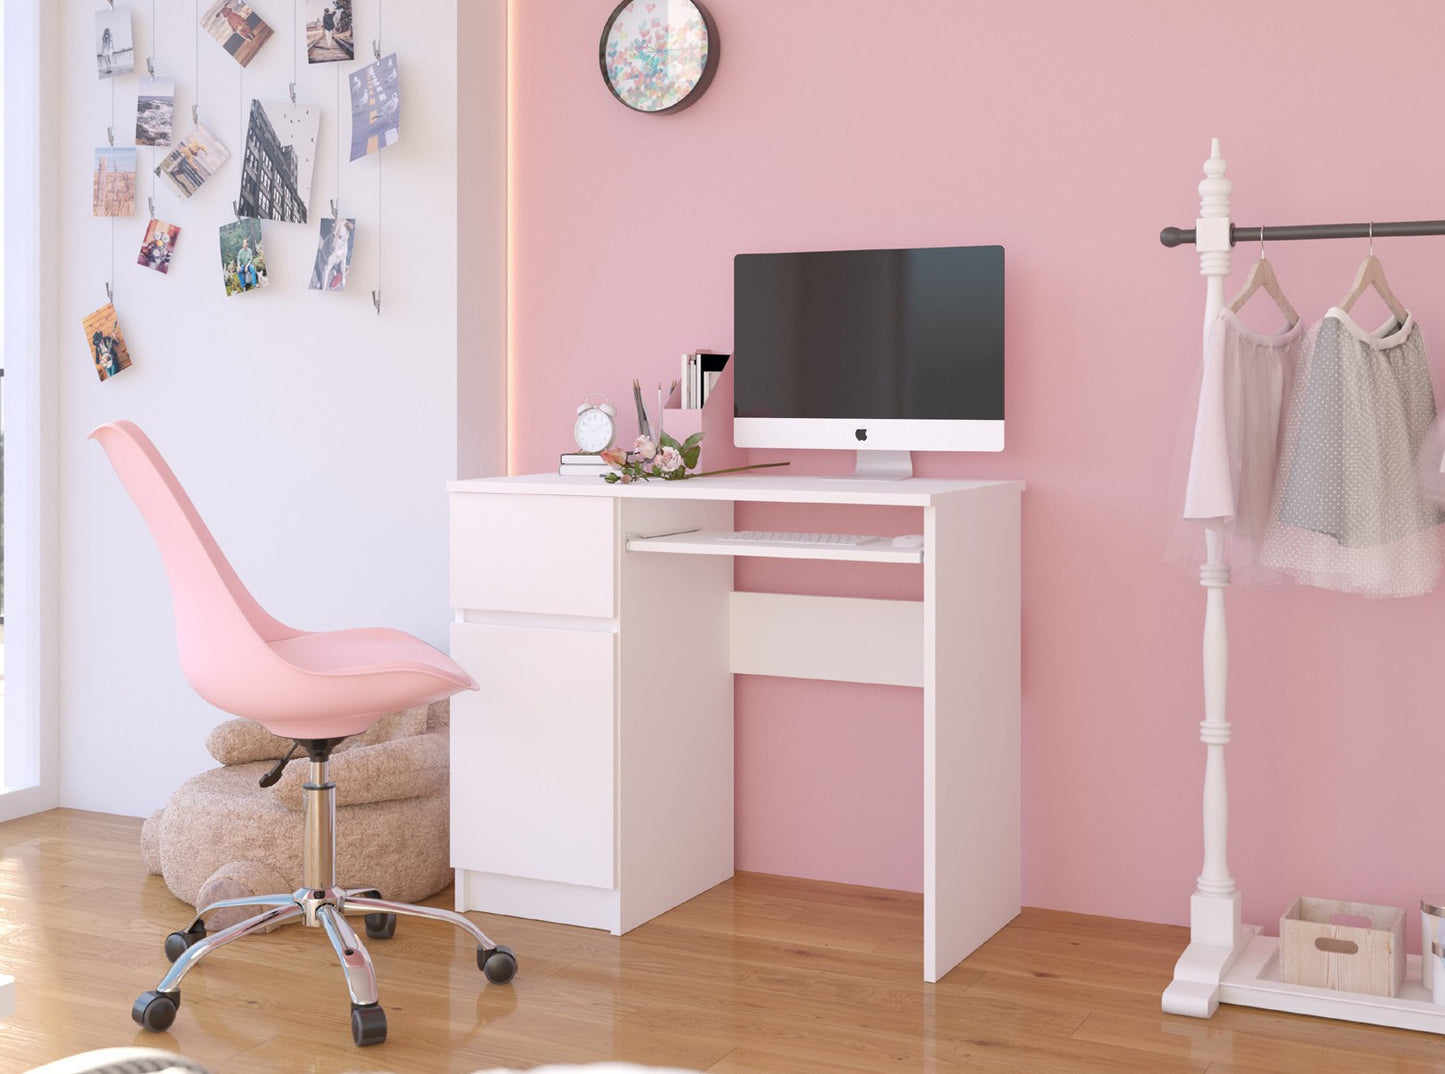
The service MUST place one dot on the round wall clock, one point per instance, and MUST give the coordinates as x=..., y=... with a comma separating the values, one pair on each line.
x=658, y=55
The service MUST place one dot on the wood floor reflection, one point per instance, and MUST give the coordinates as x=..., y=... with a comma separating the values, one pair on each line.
x=759, y=974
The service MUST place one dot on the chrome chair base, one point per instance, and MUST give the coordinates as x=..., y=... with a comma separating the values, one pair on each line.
x=322, y=905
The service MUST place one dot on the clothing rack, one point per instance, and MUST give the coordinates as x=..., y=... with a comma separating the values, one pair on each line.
x=1227, y=961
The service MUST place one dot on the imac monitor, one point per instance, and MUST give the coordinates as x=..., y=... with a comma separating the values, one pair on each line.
x=884, y=352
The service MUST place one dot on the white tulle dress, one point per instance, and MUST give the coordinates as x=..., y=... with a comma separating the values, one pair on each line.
x=1348, y=511
x=1233, y=445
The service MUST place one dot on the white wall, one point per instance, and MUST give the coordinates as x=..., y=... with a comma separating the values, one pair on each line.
x=314, y=436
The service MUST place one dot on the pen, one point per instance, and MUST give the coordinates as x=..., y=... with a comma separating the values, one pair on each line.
x=644, y=427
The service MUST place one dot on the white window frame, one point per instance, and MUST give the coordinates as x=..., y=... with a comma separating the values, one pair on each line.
x=31, y=769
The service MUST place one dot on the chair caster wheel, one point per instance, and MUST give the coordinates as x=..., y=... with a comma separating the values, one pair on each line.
x=156, y=1010
x=368, y=1025
x=178, y=942
x=380, y=926
x=499, y=964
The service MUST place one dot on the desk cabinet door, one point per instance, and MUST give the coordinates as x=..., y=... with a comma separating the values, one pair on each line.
x=532, y=754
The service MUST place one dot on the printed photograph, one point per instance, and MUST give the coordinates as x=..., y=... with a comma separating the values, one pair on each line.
x=333, y=254
x=277, y=165
x=328, y=31
x=194, y=159
x=243, y=258
x=114, y=50
x=240, y=30
x=158, y=245
x=113, y=189
x=375, y=107
x=155, y=105
x=107, y=345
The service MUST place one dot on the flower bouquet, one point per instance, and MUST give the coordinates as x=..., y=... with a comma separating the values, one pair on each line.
x=663, y=458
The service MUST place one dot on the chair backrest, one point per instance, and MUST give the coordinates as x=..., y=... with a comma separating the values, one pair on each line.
x=221, y=630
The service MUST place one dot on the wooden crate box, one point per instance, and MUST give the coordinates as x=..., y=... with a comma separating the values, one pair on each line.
x=1350, y=946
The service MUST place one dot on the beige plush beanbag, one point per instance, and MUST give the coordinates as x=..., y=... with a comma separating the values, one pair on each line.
x=222, y=836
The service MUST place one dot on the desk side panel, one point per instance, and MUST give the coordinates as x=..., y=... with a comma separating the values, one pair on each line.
x=675, y=715
x=971, y=731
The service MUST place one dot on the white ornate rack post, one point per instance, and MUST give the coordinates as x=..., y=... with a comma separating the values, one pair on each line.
x=1226, y=961
x=1215, y=932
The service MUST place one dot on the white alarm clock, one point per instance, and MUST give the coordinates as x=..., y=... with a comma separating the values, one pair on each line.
x=596, y=426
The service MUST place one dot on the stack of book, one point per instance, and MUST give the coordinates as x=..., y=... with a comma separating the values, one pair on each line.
x=700, y=371
x=581, y=463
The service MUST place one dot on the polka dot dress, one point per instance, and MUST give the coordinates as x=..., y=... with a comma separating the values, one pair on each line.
x=1347, y=511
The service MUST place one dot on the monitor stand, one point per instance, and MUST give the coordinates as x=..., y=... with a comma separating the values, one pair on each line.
x=884, y=465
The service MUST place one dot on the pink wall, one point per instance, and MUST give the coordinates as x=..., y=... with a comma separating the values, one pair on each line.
x=1070, y=133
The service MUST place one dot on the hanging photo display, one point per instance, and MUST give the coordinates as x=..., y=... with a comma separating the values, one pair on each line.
x=240, y=30
x=194, y=159
x=328, y=31
x=333, y=254
x=158, y=245
x=107, y=345
x=279, y=159
x=375, y=107
x=113, y=185
x=114, y=50
x=243, y=257
x=155, y=105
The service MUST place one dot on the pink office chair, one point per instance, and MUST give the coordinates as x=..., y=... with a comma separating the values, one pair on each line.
x=316, y=688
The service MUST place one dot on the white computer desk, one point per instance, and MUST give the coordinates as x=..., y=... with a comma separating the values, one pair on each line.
x=592, y=776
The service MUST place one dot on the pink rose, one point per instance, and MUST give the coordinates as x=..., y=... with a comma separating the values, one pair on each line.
x=669, y=459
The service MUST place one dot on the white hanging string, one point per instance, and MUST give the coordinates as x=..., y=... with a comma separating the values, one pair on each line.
x=240, y=138
x=376, y=55
x=110, y=138
x=151, y=69
x=296, y=22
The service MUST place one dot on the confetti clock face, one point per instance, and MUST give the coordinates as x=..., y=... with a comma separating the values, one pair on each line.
x=658, y=55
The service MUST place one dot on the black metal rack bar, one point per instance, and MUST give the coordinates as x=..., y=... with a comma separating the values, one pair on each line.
x=1174, y=236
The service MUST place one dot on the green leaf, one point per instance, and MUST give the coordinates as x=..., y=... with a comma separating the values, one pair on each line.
x=668, y=441
x=692, y=441
x=690, y=455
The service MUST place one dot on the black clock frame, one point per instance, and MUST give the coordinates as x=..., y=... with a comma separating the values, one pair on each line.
x=714, y=53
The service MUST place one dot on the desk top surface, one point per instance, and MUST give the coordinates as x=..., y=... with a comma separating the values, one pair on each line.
x=757, y=487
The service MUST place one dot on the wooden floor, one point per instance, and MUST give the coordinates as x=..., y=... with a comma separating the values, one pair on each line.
x=758, y=974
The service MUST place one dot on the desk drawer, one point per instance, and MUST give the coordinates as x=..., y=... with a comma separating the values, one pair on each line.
x=547, y=555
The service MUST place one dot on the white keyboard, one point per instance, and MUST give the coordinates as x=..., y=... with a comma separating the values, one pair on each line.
x=834, y=540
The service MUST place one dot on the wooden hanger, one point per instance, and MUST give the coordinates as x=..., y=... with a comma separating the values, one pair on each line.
x=1372, y=274
x=1261, y=275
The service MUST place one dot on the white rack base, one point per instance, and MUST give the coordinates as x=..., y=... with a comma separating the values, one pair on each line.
x=1252, y=980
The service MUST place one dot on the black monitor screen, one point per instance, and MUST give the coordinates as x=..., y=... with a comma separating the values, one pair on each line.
x=912, y=334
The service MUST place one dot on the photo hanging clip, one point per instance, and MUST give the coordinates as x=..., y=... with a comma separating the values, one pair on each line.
x=151, y=66
x=109, y=292
x=151, y=204
x=375, y=49
x=235, y=208
x=110, y=135
x=376, y=301
x=195, y=113
x=293, y=92
x=334, y=214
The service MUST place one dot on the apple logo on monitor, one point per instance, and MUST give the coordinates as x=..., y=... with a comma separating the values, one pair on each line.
x=861, y=434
